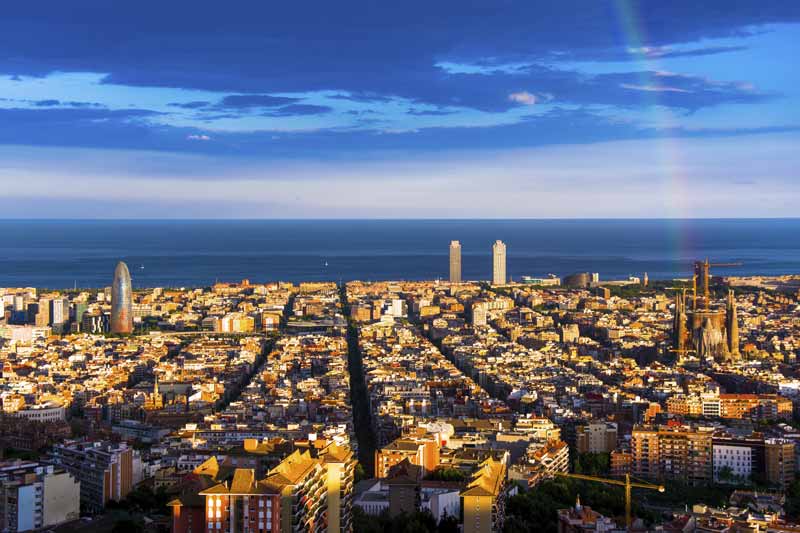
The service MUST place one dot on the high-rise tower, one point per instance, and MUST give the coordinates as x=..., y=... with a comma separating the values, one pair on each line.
x=455, y=262
x=732, y=326
x=121, y=300
x=499, y=263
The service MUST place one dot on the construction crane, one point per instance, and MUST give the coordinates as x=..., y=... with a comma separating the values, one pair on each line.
x=702, y=270
x=628, y=484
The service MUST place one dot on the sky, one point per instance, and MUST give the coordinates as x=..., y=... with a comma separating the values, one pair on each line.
x=413, y=109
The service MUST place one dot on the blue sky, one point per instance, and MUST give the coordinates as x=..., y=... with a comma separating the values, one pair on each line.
x=495, y=108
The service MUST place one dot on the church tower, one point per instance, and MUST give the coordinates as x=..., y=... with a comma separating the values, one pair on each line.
x=732, y=326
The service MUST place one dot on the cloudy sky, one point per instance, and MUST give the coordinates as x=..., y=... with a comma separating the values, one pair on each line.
x=494, y=108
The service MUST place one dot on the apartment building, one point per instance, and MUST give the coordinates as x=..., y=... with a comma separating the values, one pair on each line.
x=104, y=469
x=302, y=493
x=419, y=450
x=596, y=437
x=483, y=500
x=681, y=453
x=34, y=496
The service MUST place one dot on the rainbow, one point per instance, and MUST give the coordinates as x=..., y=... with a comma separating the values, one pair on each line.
x=676, y=191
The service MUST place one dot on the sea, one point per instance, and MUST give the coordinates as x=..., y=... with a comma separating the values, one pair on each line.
x=194, y=253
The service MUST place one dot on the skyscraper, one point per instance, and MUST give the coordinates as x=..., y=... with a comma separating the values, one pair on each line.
x=498, y=263
x=455, y=262
x=121, y=300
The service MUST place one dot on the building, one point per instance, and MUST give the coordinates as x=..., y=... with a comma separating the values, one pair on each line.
x=420, y=451
x=621, y=462
x=121, y=300
x=42, y=318
x=59, y=314
x=596, y=437
x=300, y=480
x=34, y=496
x=340, y=467
x=582, y=519
x=104, y=469
x=405, y=490
x=673, y=452
x=580, y=280
x=570, y=333
x=498, y=263
x=47, y=412
x=734, y=460
x=483, y=500
x=95, y=323
x=479, y=314
x=455, y=262
x=242, y=504
x=779, y=459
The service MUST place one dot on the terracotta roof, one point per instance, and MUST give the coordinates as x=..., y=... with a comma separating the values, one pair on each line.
x=488, y=480
x=336, y=453
x=292, y=469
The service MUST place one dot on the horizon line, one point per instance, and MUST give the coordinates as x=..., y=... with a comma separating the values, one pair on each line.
x=399, y=219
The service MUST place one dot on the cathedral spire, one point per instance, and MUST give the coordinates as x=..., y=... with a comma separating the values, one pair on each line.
x=732, y=326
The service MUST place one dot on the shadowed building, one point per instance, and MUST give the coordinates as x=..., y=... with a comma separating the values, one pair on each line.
x=121, y=300
x=455, y=262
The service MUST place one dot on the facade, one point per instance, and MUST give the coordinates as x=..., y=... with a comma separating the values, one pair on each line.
x=779, y=458
x=679, y=453
x=301, y=493
x=121, y=300
x=483, y=500
x=733, y=462
x=479, y=314
x=596, y=437
x=340, y=467
x=105, y=470
x=498, y=263
x=242, y=504
x=455, y=262
x=34, y=496
x=43, y=413
x=422, y=452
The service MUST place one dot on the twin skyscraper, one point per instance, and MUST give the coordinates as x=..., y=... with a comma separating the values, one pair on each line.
x=498, y=262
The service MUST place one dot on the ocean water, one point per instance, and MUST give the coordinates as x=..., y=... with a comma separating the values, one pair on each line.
x=63, y=253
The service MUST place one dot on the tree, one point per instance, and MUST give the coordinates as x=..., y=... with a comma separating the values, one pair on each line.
x=127, y=526
x=446, y=474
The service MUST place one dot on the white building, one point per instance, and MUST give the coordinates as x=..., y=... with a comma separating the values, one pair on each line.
x=738, y=460
x=46, y=412
x=499, y=263
x=34, y=496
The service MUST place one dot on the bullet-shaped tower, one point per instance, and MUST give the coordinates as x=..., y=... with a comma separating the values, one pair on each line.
x=121, y=300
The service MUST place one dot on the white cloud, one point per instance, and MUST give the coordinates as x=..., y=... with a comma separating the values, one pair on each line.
x=654, y=88
x=198, y=137
x=697, y=177
x=523, y=97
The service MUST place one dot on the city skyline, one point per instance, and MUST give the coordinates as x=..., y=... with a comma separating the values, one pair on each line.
x=617, y=109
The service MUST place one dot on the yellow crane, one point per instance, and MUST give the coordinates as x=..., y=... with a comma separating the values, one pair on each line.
x=628, y=484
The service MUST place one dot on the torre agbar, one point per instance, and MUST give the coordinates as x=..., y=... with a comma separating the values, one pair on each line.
x=121, y=300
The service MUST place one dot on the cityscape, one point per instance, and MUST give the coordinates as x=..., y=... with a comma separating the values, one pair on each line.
x=483, y=266
x=572, y=404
